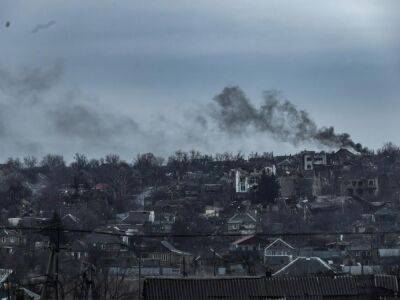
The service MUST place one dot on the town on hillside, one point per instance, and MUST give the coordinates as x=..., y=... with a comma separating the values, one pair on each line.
x=112, y=229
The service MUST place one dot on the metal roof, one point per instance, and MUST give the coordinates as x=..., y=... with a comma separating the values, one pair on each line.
x=203, y=288
x=314, y=287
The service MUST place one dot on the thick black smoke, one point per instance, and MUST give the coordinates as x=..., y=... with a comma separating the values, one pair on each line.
x=38, y=115
x=276, y=116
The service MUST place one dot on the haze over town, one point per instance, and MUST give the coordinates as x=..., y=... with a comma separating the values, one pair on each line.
x=138, y=75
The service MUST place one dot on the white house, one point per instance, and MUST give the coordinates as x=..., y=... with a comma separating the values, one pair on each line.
x=242, y=184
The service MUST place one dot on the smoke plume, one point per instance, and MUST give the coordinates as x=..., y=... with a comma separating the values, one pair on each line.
x=40, y=27
x=276, y=116
x=39, y=115
x=30, y=82
x=82, y=121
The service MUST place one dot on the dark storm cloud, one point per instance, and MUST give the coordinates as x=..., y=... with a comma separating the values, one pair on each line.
x=276, y=116
x=40, y=27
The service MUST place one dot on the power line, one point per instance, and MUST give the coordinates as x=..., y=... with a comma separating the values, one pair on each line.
x=200, y=234
x=58, y=230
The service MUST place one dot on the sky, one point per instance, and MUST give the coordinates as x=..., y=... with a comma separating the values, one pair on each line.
x=128, y=77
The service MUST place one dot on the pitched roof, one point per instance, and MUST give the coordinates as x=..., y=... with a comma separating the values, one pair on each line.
x=30, y=294
x=209, y=253
x=241, y=216
x=243, y=239
x=172, y=248
x=302, y=266
x=134, y=217
x=279, y=240
x=347, y=151
x=71, y=217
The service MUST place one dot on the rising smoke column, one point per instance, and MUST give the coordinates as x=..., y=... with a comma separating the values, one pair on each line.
x=276, y=116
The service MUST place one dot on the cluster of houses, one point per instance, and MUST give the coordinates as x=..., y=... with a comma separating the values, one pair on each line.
x=336, y=213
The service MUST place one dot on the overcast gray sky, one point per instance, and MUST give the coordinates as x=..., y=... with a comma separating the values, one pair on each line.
x=132, y=76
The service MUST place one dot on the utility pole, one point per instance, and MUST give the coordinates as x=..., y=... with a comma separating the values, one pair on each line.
x=214, y=263
x=90, y=294
x=8, y=288
x=140, y=258
x=52, y=278
x=44, y=294
x=57, y=261
x=184, y=266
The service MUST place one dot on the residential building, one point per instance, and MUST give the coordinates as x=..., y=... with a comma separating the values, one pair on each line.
x=277, y=254
x=212, y=211
x=305, y=266
x=167, y=254
x=10, y=240
x=247, y=243
x=360, y=186
x=243, y=223
x=136, y=217
x=311, y=158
